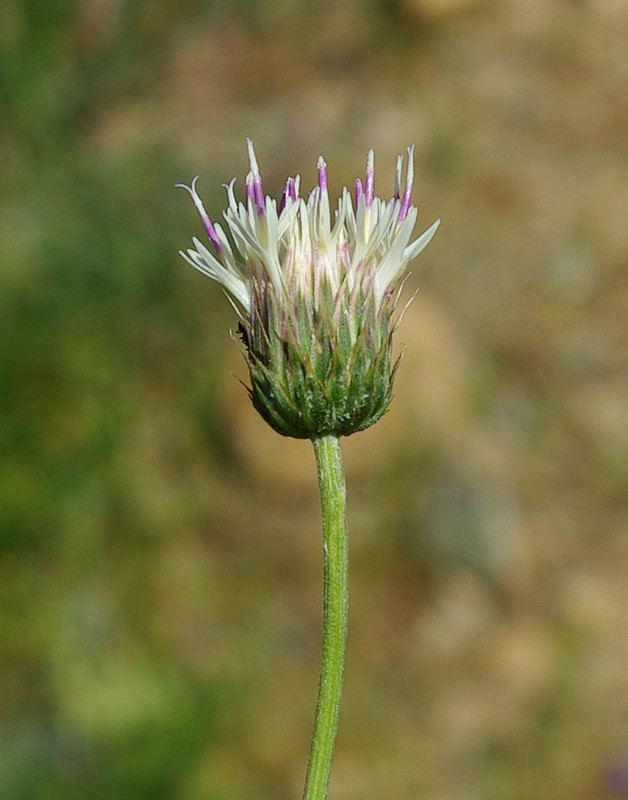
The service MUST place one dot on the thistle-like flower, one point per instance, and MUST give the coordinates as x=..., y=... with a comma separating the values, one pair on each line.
x=316, y=294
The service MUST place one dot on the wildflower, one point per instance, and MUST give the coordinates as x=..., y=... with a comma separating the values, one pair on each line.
x=316, y=294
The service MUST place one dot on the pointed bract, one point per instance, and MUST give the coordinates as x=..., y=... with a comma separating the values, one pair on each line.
x=317, y=294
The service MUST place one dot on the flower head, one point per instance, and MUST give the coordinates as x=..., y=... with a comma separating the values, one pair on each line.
x=315, y=293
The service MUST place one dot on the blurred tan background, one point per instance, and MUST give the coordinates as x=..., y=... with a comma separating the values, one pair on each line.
x=160, y=572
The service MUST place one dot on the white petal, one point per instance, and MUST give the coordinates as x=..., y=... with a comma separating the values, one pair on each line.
x=413, y=250
x=204, y=262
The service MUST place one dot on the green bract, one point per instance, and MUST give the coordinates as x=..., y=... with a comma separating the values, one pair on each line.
x=316, y=297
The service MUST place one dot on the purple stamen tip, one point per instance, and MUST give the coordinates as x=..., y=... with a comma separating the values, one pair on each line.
x=255, y=190
x=407, y=195
x=369, y=191
x=321, y=168
x=210, y=230
x=359, y=191
x=289, y=193
x=259, y=195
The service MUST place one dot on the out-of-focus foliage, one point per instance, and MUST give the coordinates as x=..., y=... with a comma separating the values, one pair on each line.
x=159, y=566
x=94, y=329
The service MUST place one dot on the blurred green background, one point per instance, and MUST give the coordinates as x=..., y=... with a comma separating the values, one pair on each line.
x=160, y=565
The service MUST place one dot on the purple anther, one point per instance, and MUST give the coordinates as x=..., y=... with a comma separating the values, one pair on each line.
x=369, y=190
x=359, y=191
x=289, y=193
x=207, y=223
x=255, y=190
x=407, y=195
x=321, y=168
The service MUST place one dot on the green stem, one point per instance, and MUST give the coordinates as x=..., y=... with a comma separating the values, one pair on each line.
x=331, y=482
